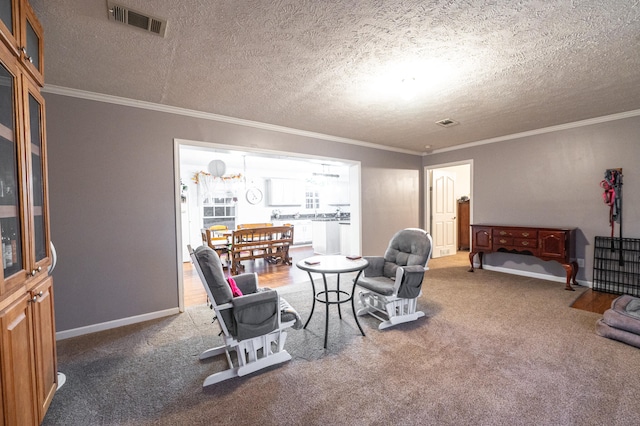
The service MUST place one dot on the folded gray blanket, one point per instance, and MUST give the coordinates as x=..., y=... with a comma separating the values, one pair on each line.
x=288, y=313
x=605, y=330
x=622, y=321
x=633, y=308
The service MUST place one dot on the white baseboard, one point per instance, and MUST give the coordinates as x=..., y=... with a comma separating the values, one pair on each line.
x=74, y=332
x=532, y=274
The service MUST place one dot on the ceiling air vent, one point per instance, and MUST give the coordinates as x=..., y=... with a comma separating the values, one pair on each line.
x=447, y=122
x=137, y=19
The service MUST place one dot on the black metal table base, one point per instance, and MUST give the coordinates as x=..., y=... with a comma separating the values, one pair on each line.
x=323, y=297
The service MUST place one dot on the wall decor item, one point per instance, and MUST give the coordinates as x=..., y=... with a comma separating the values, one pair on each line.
x=254, y=195
x=612, y=196
x=217, y=168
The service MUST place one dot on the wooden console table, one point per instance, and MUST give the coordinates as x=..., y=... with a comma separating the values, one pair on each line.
x=544, y=243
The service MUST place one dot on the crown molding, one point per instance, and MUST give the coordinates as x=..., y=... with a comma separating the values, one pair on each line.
x=99, y=97
x=575, y=124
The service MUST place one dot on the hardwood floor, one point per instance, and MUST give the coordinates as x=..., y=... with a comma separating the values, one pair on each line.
x=269, y=275
x=594, y=301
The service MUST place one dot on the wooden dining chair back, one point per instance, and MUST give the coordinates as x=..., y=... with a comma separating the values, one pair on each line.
x=254, y=225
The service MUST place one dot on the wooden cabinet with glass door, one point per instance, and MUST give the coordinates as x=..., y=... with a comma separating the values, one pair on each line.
x=22, y=34
x=28, y=376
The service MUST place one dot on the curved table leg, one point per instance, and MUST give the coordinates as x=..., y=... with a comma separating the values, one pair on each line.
x=353, y=306
x=471, y=255
x=326, y=320
x=313, y=306
x=338, y=296
x=572, y=271
x=569, y=270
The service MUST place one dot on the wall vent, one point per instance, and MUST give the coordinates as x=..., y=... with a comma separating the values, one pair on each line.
x=447, y=122
x=127, y=16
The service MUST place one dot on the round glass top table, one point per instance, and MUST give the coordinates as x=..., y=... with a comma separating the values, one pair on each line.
x=324, y=265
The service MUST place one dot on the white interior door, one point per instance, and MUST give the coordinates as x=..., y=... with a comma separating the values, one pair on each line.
x=444, y=213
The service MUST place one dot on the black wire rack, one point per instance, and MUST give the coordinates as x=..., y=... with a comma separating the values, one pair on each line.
x=616, y=265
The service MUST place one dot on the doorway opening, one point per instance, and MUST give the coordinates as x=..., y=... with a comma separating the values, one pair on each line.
x=261, y=186
x=449, y=206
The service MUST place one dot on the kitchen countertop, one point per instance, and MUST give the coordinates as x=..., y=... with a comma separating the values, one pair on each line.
x=321, y=218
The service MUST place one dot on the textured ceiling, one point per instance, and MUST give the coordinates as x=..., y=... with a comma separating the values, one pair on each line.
x=337, y=67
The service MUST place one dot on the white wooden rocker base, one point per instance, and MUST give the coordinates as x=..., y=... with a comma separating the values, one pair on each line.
x=394, y=310
x=250, y=358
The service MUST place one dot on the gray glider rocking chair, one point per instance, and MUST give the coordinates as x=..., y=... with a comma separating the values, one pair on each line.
x=253, y=325
x=392, y=284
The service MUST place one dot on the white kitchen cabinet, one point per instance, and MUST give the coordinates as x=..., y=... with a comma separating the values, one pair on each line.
x=302, y=230
x=326, y=236
x=284, y=192
x=345, y=238
x=338, y=194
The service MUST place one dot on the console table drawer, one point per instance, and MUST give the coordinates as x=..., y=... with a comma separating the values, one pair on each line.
x=522, y=242
x=515, y=243
x=516, y=233
x=503, y=241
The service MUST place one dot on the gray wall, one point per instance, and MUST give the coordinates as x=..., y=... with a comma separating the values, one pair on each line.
x=553, y=179
x=113, y=221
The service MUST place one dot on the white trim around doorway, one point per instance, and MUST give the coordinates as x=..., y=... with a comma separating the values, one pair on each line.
x=355, y=178
x=427, y=188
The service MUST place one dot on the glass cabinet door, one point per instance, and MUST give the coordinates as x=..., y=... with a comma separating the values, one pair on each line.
x=31, y=39
x=11, y=202
x=8, y=22
x=34, y=122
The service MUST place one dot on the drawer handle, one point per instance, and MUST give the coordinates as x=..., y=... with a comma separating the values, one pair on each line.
x=503, y=241
x=503, y=232
x=525, y=234
x=525, y=243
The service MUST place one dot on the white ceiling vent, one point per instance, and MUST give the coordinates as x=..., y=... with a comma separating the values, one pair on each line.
x=127, y=16
x=447, y=122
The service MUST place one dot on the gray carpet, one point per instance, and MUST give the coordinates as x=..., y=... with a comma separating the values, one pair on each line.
x=494, y=349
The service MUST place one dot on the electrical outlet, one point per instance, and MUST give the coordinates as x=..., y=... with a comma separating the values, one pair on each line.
x=581, y=263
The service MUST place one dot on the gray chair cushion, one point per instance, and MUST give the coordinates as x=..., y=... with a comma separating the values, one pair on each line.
x=247, y=282
x=211, y=267
x=407, y=247
x=212, y=270
x=380, y=285
x=375, y=268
